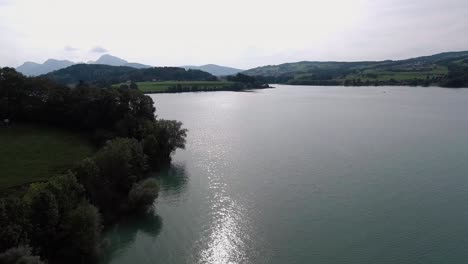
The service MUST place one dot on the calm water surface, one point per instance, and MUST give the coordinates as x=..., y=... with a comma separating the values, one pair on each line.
x=310, y=175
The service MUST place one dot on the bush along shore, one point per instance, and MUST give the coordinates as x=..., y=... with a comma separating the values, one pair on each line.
x=234, y=83
x=60, y=220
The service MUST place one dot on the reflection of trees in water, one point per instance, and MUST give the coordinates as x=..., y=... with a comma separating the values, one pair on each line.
x=173, y=180
x=123, y=234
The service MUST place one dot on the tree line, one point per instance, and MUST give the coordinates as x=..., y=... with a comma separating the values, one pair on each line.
x=106, y=75
x=238, y=82
x=61, y=219
x=457, y=76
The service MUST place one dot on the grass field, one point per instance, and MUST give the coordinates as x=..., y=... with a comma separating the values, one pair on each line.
x=155, y=87
x=378, y=75
x=31, y=153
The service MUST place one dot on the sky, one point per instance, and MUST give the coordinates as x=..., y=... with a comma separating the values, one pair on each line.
x=237, y=33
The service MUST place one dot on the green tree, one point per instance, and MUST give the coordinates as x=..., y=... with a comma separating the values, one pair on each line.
x=14, y=223
x=19, y=255
x=122, y=161
x=43, y=216
x=143, y=194
x=161, y=139
x=67, y=191
x=152, y=151
x=88, y=174
x=83, y=233
x=133, y=85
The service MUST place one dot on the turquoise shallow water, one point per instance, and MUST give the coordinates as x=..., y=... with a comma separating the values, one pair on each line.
x=310, y=175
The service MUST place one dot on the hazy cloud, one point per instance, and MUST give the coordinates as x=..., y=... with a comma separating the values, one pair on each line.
x=268, y=32
x=99, y=49
x=70, y=48
x=4, y=2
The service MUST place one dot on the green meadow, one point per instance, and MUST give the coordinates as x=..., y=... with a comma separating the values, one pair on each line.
x=385, y=75
x=160, y=87
x=30, y=153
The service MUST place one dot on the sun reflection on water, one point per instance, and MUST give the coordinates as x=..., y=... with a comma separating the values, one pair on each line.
x=227, y=235
x=227, y=239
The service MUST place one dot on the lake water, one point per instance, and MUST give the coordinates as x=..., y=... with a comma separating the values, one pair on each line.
x=301, y=174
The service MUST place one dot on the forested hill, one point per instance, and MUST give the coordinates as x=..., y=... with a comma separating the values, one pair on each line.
x=216, y=70
x=448, y=69
x=105, y=75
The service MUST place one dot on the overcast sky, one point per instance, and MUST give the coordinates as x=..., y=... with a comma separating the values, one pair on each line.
x=238, y=33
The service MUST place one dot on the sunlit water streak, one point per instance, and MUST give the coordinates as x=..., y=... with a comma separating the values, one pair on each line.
x=226, y=233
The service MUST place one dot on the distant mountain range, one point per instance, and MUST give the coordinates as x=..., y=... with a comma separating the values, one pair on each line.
x=445, y=69
x=35, y=69
x=116, y=61
x=215, y=69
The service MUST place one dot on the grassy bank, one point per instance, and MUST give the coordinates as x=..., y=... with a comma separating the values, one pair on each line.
x=167, y=86
x=30, y=153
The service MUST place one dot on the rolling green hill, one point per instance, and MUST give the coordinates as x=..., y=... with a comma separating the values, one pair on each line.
x=448, y=69
x=105, y=75
x=214, y=69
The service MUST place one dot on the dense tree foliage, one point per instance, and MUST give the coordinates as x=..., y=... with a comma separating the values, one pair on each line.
x=122, y=163
x=83, y=233
x=105, y=75
x=19, y=255
x=142, y=194
x=55, y=219
x=111, y=173
x=60, y=220
x=103, y=113
x=247, y=81
x=457, y=76
x=14, y=223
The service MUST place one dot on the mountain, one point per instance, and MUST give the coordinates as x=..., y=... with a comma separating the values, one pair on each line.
x=137, y=65
x=105, y=75
x=215, y=69
x=443, y=69
x=108, y=59
x=34, y=69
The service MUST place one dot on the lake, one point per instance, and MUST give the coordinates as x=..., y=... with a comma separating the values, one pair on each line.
x=304, y=174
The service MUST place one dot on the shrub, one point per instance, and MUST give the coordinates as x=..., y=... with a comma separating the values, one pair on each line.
x=111, y=173
x=43, y=216
x=161, y=139
x=143, y=194
x=83, y=228
x=13, y=223
x=62, y=224
x=87, y=173
x=19, y=255
x=122, y=162
x=67, y=191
